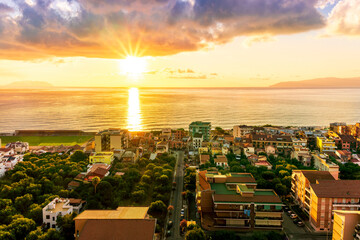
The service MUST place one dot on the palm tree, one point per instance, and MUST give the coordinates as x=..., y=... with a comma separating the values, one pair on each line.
x=95, y=181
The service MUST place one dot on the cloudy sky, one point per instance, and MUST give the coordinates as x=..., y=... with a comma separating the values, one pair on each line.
x=183, y=43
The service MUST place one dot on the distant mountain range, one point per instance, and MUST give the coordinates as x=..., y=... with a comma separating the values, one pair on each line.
x=329, y=82
x=28, y=85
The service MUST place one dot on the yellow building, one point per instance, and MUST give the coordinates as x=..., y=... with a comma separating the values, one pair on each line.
x=322, y=163
x=300, y=185
x=101, y=157
x=216, y=150
x=325, y=145
x=203, y=150
x=344, y=224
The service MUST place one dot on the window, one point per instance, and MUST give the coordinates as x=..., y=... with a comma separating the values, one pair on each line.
x=53, y=218
x=53, y=226
x=47, y=216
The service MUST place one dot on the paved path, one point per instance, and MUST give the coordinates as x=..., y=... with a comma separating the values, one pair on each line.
x=176, y=199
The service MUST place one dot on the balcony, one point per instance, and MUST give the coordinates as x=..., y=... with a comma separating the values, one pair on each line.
x=268, y=214
x=347, y=204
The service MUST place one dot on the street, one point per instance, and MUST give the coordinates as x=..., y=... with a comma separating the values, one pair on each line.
x=294, y=232
x=176, y=199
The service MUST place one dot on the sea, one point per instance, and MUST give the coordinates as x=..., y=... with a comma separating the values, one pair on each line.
x=139, y=109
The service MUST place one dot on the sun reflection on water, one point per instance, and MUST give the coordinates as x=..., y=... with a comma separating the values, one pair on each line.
x=134, y=111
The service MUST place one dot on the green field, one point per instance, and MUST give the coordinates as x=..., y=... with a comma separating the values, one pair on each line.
x=48, y=140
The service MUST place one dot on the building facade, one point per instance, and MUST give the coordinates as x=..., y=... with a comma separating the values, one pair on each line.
x=204, y=128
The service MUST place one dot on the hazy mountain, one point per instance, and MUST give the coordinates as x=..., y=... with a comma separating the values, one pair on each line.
x=321, y=83
x=28, y=85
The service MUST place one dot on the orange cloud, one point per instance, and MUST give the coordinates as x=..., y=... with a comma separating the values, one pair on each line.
x=116, y=28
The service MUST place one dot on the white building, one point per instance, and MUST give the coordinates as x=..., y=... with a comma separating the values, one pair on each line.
x=19, y=147
x=56, y=207
x=197, y=140
x=221, y=161
x=2, y=169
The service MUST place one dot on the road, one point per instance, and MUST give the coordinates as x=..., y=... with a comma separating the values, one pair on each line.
x=301, y=233
x=176, y=199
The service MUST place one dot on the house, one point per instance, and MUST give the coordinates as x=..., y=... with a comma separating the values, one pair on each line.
x=344, y=155
x=60, y=207
x=327, y=196
x=346, y=225
x=261, y=162
x=270, y=150
x=7, y=151
x=302, y=154
x=19, y=147
x=120, y=224
x=130, y=156
x=2, y=169
x=11, y=161
x=216, y=150
x=203, y=150
x=204, y=159
x=233, y=202
x=101, y=157
x=221, y=161
x=162, y=147
x=97, y=170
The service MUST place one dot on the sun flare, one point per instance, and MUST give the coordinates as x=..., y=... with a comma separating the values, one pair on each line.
x=133, y=66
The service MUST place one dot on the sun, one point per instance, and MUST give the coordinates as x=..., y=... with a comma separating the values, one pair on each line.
x=133, y=66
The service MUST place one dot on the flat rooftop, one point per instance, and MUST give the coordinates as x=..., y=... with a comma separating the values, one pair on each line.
x=119, y=213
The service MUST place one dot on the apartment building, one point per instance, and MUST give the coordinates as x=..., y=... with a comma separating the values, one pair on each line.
x=278, y=141
x=111, y=139
x=348, y=142
x=232, y=202
x=300, y=185
x=19, y=147
x=322, y=163
x=325, y=145
x=203, y=128
x=197, y=140
x=240, y=131
x=327, y=196
x=345, y=225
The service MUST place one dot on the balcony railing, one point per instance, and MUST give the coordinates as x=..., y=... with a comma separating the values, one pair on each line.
x=346, y=204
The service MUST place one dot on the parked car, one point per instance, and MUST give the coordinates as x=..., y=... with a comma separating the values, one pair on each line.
x=289, y=213
x=170, y=224
x=182, y=211
x=293, y=216
x=300, y=224
x=296, y=220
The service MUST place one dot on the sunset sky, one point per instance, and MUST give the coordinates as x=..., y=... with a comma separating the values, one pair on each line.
x=182, y=43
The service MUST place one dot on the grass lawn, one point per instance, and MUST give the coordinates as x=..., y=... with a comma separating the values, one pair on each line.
x=48, y=140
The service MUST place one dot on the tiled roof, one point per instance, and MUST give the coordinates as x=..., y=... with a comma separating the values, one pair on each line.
x=220, y=158
x=313, y=175
x=204, y=185
x=347, y=138
x=118, y=229
x=337, y=189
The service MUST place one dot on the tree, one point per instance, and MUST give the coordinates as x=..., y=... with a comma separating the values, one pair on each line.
x=67, y=225
x=220, y=235
x=78, y=156
x=183, y=224
x=195, y=234
x=95, y=181
x=22, y=203
x=138, y=196
x=35, y=213
x=21, y=227
x=157, y=208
